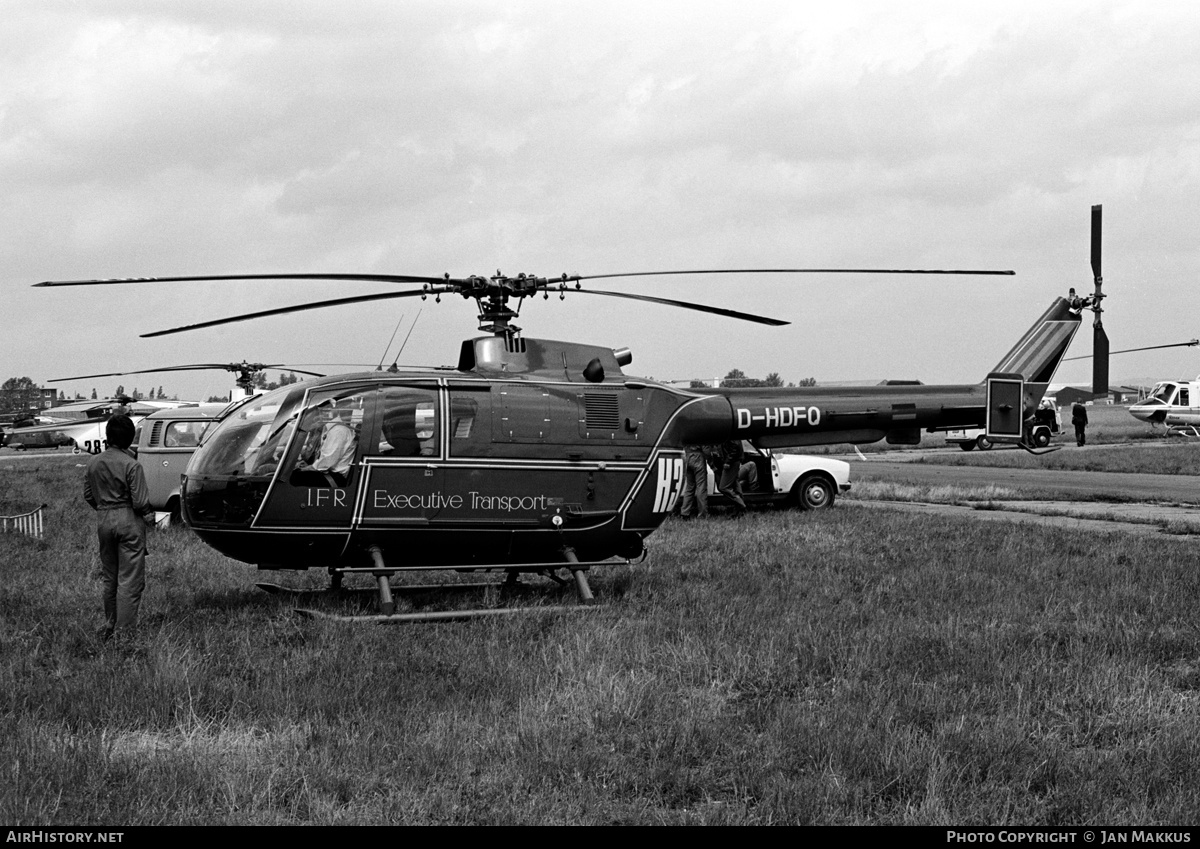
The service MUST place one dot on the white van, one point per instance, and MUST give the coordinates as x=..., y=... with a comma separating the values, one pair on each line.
x=165, y=442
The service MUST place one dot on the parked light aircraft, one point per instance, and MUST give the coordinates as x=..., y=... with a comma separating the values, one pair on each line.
x=84, y=422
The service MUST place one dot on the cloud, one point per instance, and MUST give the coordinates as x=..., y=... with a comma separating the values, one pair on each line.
x=197, y=137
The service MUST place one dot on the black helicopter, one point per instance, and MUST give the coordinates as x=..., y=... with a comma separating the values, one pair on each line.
x=529, y=455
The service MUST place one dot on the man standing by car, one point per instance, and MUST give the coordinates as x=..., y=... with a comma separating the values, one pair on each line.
x=1079, y=419
x=115, y=486
x=727, y=466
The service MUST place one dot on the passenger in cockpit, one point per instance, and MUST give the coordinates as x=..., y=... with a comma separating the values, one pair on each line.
x=400, y=433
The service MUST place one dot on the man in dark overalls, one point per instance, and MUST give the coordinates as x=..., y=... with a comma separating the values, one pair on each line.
x=115, y=486
x=695, y=483
x=729, y=458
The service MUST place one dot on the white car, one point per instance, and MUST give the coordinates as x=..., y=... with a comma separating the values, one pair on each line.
x=969, y=438
x=796, y=480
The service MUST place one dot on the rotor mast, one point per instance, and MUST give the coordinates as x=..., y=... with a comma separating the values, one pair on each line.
x=492, y=296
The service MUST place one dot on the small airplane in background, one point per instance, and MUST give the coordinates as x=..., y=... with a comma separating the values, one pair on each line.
x=80, y=425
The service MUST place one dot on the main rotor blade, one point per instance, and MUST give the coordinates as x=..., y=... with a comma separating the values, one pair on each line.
x=415, y=278
x=372, y=278
x=1193, y=343
x=358, y=299
x=195, y=367
x=774, y=322
x=1097, y=217
x=787, y=271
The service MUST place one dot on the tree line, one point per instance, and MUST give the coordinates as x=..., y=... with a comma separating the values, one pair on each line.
x=737, y=379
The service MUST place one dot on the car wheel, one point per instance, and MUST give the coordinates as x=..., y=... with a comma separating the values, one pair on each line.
x=967, y=446
x=814, y=492
x=984, y=443
x=1041, y=437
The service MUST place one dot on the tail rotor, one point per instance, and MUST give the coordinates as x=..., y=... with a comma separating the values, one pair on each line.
x=1099, y=337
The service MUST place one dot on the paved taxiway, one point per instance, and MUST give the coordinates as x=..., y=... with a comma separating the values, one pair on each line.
x=1170, y=489
x=1158, y=500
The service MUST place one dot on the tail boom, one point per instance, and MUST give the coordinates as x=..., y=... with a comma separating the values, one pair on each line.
x=777, y=418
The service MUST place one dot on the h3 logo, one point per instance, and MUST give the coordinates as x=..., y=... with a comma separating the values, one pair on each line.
x=668, y=484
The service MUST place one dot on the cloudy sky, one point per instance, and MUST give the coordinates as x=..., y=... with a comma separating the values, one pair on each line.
x=208, y=137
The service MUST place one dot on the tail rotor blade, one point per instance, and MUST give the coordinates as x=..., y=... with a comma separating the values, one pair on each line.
x=1099, y=362
x=1099, y=337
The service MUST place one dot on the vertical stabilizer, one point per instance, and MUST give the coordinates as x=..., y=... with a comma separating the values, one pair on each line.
x=1042, y=348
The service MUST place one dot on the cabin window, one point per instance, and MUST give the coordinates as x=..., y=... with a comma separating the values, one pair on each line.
x=408, y=422
x=470, y=422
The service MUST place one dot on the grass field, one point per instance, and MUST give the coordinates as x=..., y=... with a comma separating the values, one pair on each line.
x=853, y=666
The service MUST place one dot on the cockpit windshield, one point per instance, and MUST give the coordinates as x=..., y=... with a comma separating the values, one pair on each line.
x=1163, y=392
x=246, y=441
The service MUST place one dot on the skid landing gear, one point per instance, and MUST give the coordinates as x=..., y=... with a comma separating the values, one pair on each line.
x=512, y=584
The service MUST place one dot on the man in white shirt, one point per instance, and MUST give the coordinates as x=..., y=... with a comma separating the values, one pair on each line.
x=336, y=452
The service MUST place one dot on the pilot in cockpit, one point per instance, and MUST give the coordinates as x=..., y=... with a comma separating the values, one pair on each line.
x=332, y=456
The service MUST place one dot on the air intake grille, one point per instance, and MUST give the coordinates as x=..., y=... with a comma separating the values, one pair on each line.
x=156, y=433
x=602, y=411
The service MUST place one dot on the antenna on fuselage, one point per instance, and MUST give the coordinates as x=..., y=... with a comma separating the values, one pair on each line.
x=389, y=344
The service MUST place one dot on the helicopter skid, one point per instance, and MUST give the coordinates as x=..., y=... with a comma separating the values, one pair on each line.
x=279, y=589
x=441, y=615
x=387, y=605
x=1185, y=431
